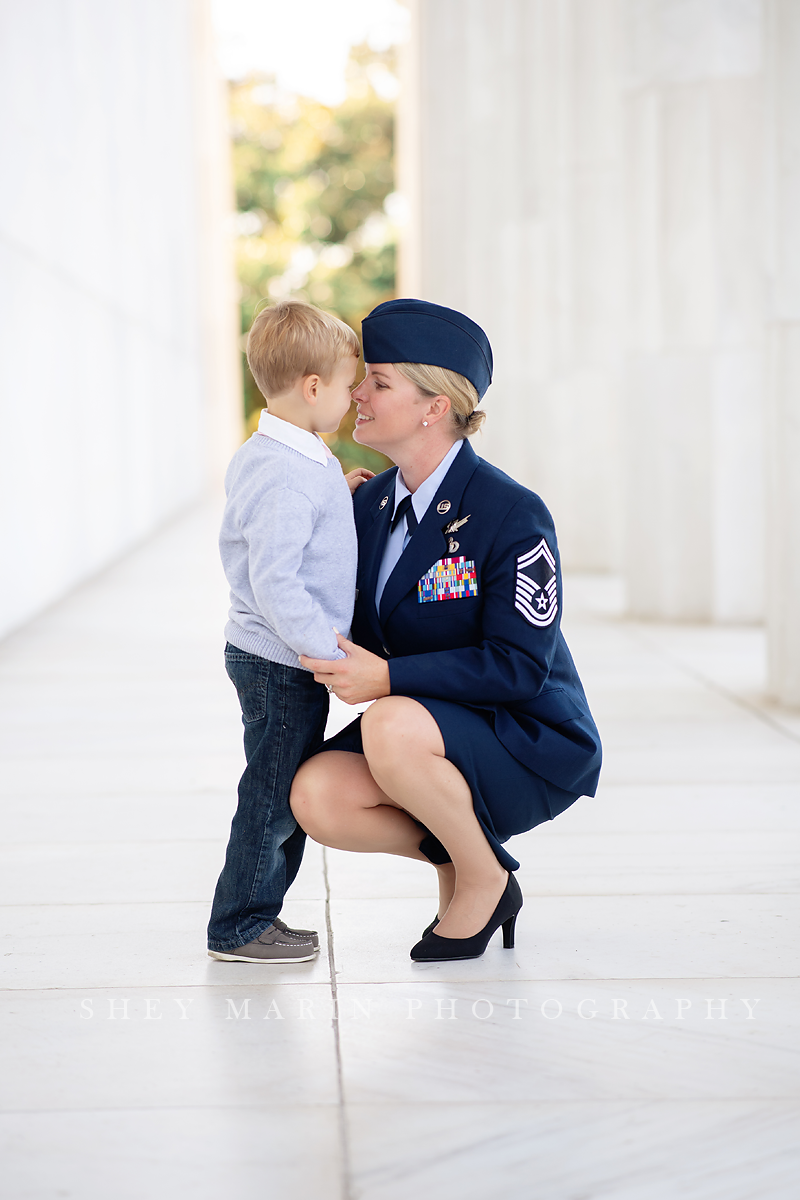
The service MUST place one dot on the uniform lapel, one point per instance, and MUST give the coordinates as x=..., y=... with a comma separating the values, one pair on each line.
x=429, y=543
x=371, y=545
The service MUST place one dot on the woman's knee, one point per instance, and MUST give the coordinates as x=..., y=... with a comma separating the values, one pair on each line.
x=326, y=793
x=396, y=730
x=307, y=797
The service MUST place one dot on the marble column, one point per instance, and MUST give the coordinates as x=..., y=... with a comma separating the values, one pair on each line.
x=694, y=418
x=510, y=157
x=783, y=349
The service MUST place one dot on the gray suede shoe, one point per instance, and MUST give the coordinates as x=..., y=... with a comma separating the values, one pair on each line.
x=305, y=935
x=272, y=946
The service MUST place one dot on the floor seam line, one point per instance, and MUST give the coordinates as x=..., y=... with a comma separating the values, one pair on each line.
x=343, y=1135
x=712, y=685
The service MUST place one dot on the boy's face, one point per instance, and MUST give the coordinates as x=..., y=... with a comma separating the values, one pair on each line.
x=333, y=397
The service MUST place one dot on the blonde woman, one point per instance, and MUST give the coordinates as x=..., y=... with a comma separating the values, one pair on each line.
x=480, y=727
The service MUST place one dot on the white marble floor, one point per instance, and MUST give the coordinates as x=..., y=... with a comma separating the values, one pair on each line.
x=630, y=1048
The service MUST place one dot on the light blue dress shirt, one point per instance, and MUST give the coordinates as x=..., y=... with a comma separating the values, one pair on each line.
x=420, y=501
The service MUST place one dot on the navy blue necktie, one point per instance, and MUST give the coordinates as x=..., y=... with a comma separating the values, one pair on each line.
x=405, y=509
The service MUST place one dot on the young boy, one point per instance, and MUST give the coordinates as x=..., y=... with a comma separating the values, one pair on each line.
x=288, y=548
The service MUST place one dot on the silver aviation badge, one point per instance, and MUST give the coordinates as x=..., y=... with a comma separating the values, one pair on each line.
x=452, y=528
x=536, y=595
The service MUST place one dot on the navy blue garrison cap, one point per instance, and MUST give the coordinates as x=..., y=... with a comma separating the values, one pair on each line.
x=418, y=332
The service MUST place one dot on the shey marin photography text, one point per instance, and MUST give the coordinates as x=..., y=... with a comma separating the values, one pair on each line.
x=410, y=1008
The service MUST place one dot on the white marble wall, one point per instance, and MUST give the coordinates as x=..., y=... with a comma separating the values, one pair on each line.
x=117, y=343
x=510, y=155
x=783, y=349
x=694, y=145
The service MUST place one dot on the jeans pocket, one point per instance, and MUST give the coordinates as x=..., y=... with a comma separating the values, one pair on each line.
x=249, y=675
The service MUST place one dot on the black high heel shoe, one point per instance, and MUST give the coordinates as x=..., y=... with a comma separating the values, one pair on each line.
x=430, y=928
x=434, y=948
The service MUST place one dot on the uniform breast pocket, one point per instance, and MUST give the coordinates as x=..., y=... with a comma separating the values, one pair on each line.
x=453, y=610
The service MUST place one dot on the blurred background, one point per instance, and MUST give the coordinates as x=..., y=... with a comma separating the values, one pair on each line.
x=610, y=187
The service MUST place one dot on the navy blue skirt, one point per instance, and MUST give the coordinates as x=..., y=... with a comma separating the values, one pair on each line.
x=508, y=797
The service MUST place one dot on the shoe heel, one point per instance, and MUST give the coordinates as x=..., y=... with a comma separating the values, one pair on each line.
x=508, y=932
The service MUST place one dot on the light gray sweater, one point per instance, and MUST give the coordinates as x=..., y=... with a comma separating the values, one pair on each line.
x=289, y=552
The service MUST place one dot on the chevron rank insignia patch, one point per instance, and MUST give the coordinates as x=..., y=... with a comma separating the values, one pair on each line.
x=536, y=591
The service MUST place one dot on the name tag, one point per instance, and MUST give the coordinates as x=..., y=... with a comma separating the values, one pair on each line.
x=448, y=579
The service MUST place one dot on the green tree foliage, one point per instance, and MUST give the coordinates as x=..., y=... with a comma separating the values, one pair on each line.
x=312, y=184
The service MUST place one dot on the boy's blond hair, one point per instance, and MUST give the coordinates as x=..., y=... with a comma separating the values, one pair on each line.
x=292, y=339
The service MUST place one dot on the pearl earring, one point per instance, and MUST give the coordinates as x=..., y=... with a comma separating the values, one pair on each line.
x=424, y=422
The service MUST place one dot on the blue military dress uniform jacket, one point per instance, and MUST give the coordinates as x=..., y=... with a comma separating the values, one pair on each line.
x=471, y=614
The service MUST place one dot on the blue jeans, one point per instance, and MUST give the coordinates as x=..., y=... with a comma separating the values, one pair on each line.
x=284, y=713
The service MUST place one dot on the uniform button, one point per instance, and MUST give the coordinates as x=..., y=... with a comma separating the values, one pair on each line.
x=387, y=651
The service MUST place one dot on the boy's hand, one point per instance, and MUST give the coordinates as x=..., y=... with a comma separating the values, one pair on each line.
x=357, y=477
x=360, y=677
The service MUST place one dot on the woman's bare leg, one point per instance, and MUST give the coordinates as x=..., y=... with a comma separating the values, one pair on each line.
x=338, y=803
x=404, y=751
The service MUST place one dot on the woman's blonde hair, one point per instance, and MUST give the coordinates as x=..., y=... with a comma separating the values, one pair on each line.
x=441, y=381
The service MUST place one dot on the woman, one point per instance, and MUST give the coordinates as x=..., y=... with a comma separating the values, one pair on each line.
x=480, y=727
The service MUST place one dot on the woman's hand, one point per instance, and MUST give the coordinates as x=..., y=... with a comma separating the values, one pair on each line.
x=357, y=477
x=360, y=677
